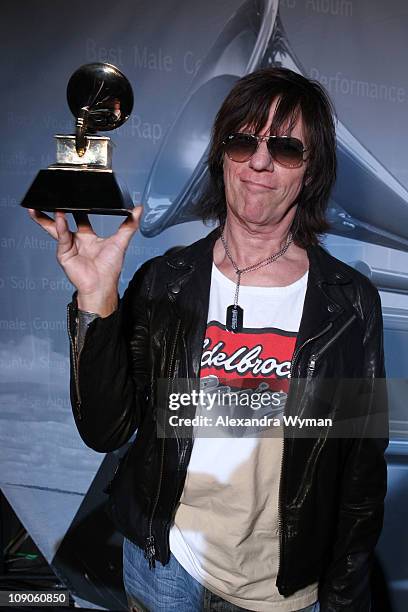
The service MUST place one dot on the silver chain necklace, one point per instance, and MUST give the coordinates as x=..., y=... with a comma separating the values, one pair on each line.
x=235, y=313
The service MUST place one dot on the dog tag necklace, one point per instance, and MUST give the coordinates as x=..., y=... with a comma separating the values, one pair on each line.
x=235, y=314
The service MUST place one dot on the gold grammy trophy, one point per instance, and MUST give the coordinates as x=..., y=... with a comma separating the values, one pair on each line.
x=101, y=99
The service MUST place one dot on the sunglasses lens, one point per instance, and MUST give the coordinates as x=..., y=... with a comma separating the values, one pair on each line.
x=286, y=151
x=240, y=147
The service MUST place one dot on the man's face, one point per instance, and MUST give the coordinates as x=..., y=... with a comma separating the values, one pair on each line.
x=260, y=192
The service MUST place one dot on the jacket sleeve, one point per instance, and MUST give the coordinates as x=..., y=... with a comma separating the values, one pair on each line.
x=110, y=375
x=346, y=584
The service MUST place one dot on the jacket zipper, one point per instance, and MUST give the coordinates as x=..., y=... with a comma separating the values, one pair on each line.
x=280, y=518
x=315, y=356
x=150, y=546
x=75, y=360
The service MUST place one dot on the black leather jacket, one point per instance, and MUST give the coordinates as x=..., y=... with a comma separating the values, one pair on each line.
x=331, y=489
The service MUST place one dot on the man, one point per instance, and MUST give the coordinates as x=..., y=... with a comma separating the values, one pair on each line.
x=261, y=523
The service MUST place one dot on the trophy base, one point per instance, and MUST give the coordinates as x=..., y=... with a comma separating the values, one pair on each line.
x=95, y=191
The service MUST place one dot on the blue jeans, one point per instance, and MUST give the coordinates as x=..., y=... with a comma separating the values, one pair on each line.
x=169, y=588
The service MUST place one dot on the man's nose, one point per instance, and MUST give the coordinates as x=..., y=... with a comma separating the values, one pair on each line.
x=261, y=159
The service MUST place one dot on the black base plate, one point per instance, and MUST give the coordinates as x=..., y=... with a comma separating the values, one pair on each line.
x=94, y=192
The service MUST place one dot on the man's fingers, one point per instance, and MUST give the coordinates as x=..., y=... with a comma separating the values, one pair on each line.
x=57, y=228
x=64, y=235
x=135, y=215
x=46, y=222
x=129, y=226
x=82, y=222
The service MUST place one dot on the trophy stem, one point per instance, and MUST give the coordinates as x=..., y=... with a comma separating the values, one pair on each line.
x=81, y=141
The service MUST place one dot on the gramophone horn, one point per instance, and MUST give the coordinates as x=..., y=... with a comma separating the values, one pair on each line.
x=363, y=185
x=104, y=91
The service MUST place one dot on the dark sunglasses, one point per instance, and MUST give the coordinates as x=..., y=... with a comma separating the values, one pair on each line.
x=284, y=150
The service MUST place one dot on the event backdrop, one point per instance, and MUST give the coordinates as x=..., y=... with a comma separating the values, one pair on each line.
x=182, y=57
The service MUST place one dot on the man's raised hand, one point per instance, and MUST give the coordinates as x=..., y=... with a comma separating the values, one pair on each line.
x=92, y=264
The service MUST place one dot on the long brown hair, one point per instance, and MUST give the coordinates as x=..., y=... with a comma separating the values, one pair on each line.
x=249, y=103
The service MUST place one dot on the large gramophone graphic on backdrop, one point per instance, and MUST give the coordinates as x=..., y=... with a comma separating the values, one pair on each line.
x=254, y=37
x=101, y=99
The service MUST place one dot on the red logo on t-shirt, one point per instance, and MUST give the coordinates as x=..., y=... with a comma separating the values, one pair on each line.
x=253, y=355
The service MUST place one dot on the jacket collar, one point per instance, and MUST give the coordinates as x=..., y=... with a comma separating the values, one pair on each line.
x=324, y=268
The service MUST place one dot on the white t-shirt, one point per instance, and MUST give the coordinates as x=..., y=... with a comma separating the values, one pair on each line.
x=225, y=532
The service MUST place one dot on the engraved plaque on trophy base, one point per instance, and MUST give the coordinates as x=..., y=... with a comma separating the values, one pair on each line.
x=98, y=152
